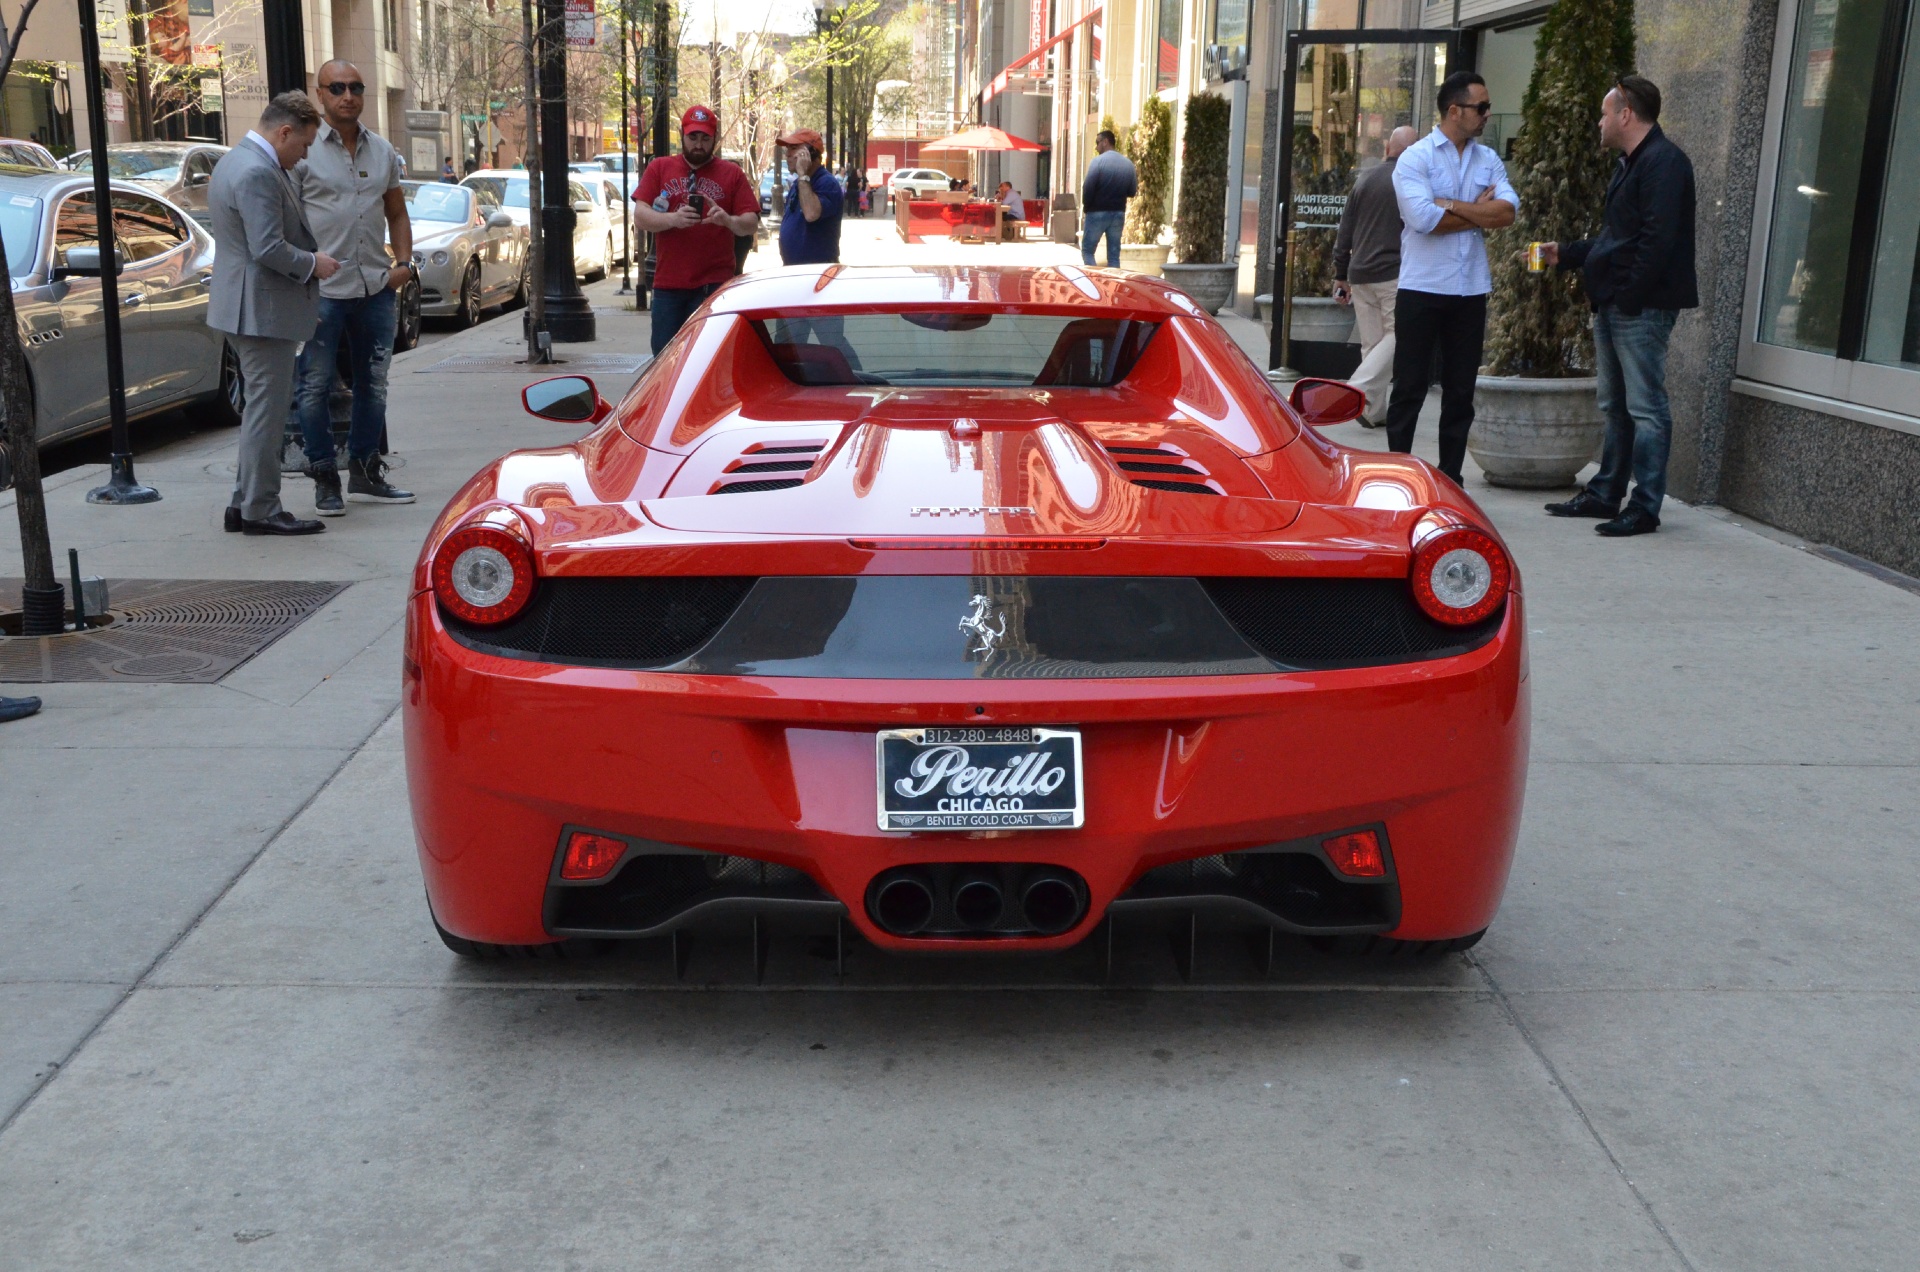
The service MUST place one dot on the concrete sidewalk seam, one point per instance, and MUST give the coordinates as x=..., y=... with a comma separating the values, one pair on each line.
x=379, y=636
x=1051, y=987
x=1579, y=1110
x=60, y=1066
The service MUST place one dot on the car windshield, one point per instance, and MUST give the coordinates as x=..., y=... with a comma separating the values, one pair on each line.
x=20, y=229
x=956, y=348
x=511, y=191
x=437, y=201
x=25, y=156
x=136, y=164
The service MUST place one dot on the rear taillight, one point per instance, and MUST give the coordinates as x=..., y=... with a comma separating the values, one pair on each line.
x=1460, y=576
x=591, y=856
x=1357, y=854
x=483, y=574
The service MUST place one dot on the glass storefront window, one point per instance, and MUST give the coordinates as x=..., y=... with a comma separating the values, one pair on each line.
x=1167, y=70
x=1893, y=306
x=1829, y=93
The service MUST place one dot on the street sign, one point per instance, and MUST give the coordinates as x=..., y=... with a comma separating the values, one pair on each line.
x=212, y=99
x=116, y=106
x=582, y=24
x=110, y=17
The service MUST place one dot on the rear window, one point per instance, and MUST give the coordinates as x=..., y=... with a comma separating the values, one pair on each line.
x=956, y=348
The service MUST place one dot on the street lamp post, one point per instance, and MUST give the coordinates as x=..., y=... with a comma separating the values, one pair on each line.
x=568, y=315
x=121, y=488
x=626, y=165
x=821, y=24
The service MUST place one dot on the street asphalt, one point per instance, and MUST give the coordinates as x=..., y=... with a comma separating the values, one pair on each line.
x=230, y=1039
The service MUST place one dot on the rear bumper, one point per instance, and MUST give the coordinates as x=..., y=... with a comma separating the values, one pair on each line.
x=504, y=755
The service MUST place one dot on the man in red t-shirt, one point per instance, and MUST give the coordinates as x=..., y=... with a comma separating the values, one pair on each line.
x=694, y=204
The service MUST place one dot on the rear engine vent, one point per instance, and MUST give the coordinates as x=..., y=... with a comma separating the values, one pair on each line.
x=1323, y=623
x=751, y=473
x=643, y=622
x=1162, y=468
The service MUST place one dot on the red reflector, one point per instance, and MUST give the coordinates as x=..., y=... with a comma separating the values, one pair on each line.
x=1357, y=854
x=591, y=856
x=979, y=545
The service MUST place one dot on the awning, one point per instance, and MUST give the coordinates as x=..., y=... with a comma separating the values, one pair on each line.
x=981, y=138
x=1000, y=81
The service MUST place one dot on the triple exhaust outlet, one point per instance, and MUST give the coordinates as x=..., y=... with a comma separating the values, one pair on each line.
x=1004, y=900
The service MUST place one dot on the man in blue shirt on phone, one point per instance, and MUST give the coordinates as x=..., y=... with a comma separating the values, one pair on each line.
x=810, y=228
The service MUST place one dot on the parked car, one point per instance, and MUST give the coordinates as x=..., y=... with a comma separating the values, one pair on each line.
x=918, y=183
x=172, y=358
x=506, y=190
x=610, y=160
x=26, y=154
x=470, y=254
x=1175, y=660
x=176, y=171
x=605, y=191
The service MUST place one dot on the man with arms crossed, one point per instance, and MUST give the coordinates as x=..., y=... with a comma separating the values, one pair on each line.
x=264, y=270
x=694, y=204
x=1451, y=191
x=1366, y=272
x=349, y=187
x=1639, y=276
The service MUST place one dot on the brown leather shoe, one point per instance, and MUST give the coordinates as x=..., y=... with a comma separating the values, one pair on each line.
x=281, y=522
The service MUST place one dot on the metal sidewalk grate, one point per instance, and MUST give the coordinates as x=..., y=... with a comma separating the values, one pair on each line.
x=516, y=364
x=166, y=631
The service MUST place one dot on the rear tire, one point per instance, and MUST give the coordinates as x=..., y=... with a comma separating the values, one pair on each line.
x=225, y=407
x=1385, y=949
x=468, y=313
x=406, y=325
x=552, y=951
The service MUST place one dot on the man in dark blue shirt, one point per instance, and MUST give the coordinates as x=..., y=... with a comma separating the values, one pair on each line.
x=810, y=228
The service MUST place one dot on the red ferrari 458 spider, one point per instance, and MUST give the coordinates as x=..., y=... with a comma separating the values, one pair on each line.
x=969, y=606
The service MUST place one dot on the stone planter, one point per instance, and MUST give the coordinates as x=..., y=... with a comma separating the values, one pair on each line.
x=1211, y=286
x=1322, y=319
x=1144, y=258
x=1535, y=434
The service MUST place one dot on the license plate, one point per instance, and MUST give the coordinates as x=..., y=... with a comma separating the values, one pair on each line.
x=979, y=779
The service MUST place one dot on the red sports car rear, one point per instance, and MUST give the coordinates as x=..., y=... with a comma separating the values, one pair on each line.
x=970, y=606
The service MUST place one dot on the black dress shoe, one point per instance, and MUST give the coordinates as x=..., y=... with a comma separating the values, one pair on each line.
x=1633, y=521
x=232, y=522
x=17, y=708
x=1585, y=504
x=281, y=522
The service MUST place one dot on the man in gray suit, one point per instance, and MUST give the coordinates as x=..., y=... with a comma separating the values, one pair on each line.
x=264, y=296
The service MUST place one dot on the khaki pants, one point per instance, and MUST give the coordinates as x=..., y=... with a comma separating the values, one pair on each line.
x=1373, y=316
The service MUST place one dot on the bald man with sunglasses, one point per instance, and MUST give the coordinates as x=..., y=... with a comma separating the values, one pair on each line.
x=349, y=187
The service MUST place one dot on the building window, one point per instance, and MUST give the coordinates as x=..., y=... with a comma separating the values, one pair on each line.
x=1168, y=46
x=1840, y=261
x=391, y=35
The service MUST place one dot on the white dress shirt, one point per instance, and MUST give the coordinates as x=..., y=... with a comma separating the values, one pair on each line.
x=1434, y=168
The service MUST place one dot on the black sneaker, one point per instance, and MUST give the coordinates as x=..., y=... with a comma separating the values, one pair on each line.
x=1585, y=504
x=326, y=489
x=367, y=483
x=1635, y=520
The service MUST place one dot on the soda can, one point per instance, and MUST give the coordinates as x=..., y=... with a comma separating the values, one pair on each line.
x=1536, y=258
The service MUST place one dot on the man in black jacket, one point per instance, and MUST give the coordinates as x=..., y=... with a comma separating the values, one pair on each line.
x=1639, y=276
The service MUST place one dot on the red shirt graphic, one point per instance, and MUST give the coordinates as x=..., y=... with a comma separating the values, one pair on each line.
x=700, y=254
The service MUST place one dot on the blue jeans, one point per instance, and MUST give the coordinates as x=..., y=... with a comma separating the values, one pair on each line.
x=1098, y=224
x=1631, y=350
x=669, y=309
x=367, y=324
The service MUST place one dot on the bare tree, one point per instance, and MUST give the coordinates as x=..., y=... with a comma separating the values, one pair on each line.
x=16, y=397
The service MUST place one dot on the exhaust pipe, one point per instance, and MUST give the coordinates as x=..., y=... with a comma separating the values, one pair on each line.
x=902, y=901
x=1052, y=902
x=977, y=902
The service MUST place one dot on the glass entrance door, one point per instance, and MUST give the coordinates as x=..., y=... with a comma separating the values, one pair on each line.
x=1346, y=92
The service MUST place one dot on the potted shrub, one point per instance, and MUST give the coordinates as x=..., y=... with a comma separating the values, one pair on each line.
x=1536, y=422
x=1149, y=143
x=1199, y=222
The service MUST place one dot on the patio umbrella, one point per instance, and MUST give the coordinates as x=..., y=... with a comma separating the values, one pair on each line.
x=982, y=138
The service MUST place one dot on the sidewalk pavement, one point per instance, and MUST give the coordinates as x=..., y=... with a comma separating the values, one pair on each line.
x=1686, y=1043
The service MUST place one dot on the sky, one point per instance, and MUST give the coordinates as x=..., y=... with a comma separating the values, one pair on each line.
x=794, y=17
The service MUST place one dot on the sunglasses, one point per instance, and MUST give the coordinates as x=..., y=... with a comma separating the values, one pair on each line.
x=341, y=89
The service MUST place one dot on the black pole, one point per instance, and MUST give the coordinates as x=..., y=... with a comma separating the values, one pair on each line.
x=121, y=488
x=627, y=182
x=662, y=139
x=286, y=48
x=825, y=24
x=569, y=316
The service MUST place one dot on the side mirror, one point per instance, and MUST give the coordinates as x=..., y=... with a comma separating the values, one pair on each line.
x=569, y=399
x=198, y=179
x=1323, y=402
x=499, y=221
x=583, y=205
x=84, y=262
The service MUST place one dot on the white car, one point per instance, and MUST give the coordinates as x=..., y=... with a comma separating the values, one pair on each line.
x=605, y=190
x=918, y=183
x=594, y=235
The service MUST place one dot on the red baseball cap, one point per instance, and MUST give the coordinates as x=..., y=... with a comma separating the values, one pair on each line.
x=802, y=137
x=700, y=119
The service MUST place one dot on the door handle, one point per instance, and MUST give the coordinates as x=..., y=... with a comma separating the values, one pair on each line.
x=206, y=276
x=128, y=302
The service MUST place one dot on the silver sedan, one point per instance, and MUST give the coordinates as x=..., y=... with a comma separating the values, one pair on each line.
x=176, y=171
x=172, y=357
x=468, y=258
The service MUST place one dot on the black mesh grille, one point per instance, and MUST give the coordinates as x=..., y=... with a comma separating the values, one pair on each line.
x=1297, y=887
x=643, y=622
x=1187, y=487
x=1180, y=469
x=1140, y=450
x=652, y=889
x=775, y=466
x=752, y=487
x=808, y=449
x=1315, y=623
